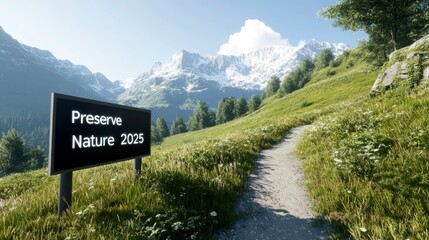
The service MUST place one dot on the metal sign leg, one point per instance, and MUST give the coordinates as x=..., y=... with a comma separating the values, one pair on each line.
x=65, y=196
x=137, y=167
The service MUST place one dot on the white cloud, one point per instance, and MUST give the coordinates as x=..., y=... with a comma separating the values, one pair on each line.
x=253, y=35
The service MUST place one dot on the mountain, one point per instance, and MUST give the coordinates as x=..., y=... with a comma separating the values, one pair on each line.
x=29, y=75
x=172, y=87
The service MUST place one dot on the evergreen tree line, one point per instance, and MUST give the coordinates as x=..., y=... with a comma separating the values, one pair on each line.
x=33, y=128
x=300, y=76
x=16, y=156
x=229, y=108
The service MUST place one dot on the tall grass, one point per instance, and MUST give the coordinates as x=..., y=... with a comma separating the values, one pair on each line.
x=184, y=192
x=368, y=166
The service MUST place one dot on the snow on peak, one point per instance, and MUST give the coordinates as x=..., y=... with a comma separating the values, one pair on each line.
x=246, y=71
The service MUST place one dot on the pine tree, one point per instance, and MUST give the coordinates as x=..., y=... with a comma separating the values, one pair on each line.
x=178, y=126
x=201, y=117
x=240, y=107
x=225, y=111
x=192, y=125
x=155, y=137
x=212, y=119
x=36, y=158
x=254, y=103
x=325, y=56
x=162, y=127
x=272, y=87
x=297, y=78
x=12, y=152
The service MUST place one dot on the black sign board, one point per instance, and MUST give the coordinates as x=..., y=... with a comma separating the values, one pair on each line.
x=87, y=133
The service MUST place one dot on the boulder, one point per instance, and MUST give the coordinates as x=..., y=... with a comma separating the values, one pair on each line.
x=406, y=64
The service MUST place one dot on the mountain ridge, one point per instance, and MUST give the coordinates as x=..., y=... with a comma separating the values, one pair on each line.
x=186, y=77
x=29, y=76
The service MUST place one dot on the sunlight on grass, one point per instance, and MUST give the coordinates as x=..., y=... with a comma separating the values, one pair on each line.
x=190, y=184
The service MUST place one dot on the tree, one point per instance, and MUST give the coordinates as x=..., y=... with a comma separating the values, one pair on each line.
x=12, y=152
x=389, y=24
x=201, y=117
x=324, y=58
x=162, y=127
x=272, y=87
x=155, y=136
x=254, y=103
x=36, y=158
x=225, y=111
x=240, y=107
x=289, y=84
x=212, y=119
x=297, y=78
x=178, y=126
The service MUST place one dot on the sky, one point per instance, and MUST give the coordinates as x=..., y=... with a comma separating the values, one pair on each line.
x=123, y=39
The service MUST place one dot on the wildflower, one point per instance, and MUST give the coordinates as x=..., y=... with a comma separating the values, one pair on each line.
x=217, y=179
x=213, y=214
x=362, y=229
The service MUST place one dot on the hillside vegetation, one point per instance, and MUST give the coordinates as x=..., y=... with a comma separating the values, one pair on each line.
x=367, y=165
x=190, y=184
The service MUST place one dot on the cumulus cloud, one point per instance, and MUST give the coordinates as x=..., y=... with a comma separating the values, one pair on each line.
x=253, y=35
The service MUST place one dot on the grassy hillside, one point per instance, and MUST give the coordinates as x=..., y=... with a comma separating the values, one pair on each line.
x=367, y=165
x=191, y=182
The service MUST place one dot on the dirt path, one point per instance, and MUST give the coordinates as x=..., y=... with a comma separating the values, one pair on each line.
x=276, y=205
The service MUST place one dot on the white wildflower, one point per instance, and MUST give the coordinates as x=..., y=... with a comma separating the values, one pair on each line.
x=213, y=214
x=362, y=229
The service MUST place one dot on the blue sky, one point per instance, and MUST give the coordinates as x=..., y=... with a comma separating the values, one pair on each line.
x=122, y=39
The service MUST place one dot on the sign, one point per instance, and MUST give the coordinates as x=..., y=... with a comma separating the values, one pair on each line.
x=87, y=133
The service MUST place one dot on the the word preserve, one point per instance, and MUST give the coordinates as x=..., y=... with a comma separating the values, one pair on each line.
x=87, y=133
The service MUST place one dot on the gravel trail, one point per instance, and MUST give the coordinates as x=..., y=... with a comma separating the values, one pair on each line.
x=276, y=205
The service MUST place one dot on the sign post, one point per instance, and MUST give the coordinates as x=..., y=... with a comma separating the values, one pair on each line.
x=65, y=194
x=87, y=133
x=137, y=167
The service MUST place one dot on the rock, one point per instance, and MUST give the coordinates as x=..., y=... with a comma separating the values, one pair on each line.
x=386, y=78
x=406, y=64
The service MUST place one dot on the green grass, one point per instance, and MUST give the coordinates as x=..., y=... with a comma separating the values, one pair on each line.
x=190, y=185
x=368, y=166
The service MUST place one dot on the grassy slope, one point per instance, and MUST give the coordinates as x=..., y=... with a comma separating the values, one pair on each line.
x=189, y=185
x=368, y=165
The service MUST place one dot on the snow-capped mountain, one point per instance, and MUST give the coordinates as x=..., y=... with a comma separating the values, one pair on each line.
x=28, y=76
x=186, y=77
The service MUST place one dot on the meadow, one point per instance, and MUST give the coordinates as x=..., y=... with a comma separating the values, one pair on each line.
x=365, y=163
